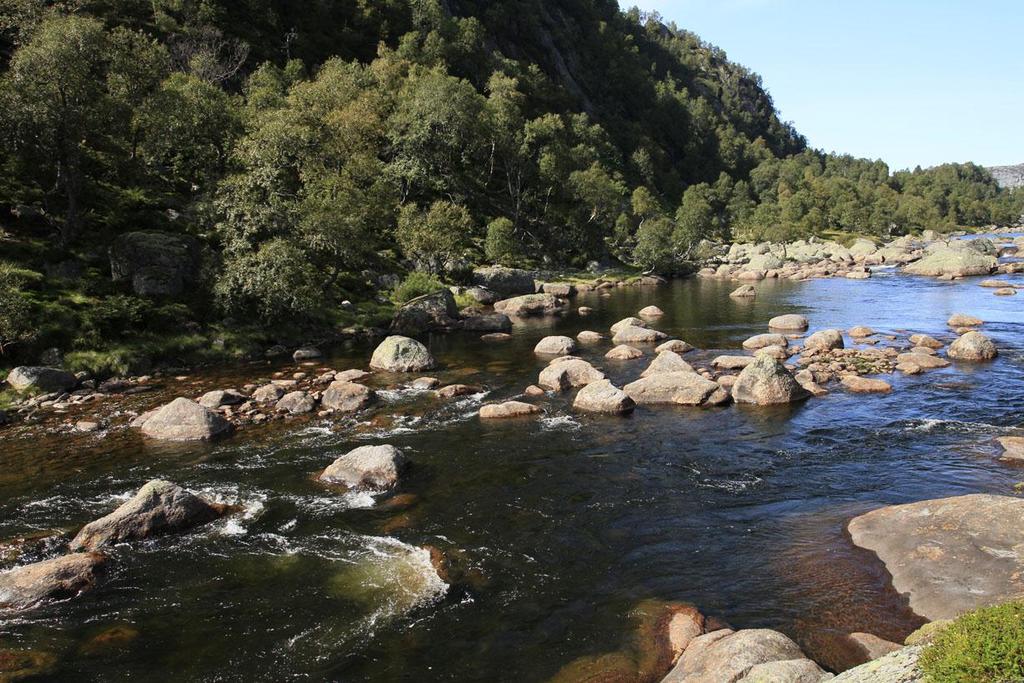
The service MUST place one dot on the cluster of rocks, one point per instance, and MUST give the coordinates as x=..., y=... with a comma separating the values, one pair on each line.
x=159, y=507
x=945, y=257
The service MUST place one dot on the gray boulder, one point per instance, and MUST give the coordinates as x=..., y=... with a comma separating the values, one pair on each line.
x=506, y=410
x=555, y=346
x=505, y=281
x=954, y=262
x=972, y=346
x=296, y=403
x=603, y=397
x=347, y=397
x=375, y=468
x=401, y=354
x=825, y=340
x=427, y=313
x=766, y=381
x=667, y=361
x=306, y=353
x=61, y=578
x=727, y=655
x=40, y=380
x=790, y=321
x=159, y=507
x=759, y=341
x=565, y=373
x=530, y=305
x=900, y=666
x=685, y=388
x=949, y=555
x=221, y=397
x=185, y=420
x=638, y=335
x=155, y=263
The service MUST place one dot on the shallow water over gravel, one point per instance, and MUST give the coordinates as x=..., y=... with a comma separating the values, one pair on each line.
x=565, y=522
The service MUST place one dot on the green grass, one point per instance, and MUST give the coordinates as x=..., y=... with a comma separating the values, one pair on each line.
x=984, y=646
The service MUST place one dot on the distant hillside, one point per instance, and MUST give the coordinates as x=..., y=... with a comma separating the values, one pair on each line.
x=1008, y=176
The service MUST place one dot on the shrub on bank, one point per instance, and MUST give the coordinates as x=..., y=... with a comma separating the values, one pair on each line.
x=986, y=645
x=417, y=283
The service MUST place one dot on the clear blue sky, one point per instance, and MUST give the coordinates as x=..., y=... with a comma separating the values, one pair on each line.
x=906, y=81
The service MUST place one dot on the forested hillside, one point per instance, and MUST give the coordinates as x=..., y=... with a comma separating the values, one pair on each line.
x=180, y=170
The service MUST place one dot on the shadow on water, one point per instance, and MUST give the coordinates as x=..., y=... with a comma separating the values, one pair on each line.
x=570, y=520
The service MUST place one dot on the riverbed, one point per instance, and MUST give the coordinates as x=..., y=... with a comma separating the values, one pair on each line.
x=560, y=525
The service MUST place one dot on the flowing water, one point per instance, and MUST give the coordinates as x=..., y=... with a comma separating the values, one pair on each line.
x=562, y=525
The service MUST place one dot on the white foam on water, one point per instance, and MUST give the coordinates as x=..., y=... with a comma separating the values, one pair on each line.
x=559, y=422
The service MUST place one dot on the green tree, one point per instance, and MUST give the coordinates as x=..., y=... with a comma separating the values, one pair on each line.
x=434, y=238
x=501, y=245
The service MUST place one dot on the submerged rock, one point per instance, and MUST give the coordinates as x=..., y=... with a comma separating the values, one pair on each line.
x=681, y=388
x=676, y=345
x=508, y=409
x=61, y=578
x=744, y=291
x=159, y=507
x=624, y=352
x=866, y=385
x=949, y=555
x=375, y=468
x=759, y=341
x=1013, y=447
x=401, y=354
x=40, y=379
x=185, y=420
x=972, y=346
x=766, y=381
x=603, y=397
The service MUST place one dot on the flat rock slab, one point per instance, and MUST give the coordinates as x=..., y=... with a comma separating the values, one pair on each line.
x=949, y=555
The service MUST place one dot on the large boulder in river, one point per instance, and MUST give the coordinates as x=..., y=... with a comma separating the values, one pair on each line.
x=40, y=380
x=627, y=322
x=401, y=354
x=555, y=346
x=159, y=507
x=766, y=381
x=972, y=346
x=825, y=340
x=185, y=420
x=949, y=555
x=347, y=397
x=790, y=321
x=603, y=397
x=667, y=361
x=638, y=335
x=530, y=305
x=954, y=262
x=505, y=281
x=565, y=373
x=685, y=388
x=427, y=313
x=63, y=577
x=155, y=263
x=751, y=655
x=374, y=468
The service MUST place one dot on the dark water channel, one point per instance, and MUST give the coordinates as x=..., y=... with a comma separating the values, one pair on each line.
x=566, y=523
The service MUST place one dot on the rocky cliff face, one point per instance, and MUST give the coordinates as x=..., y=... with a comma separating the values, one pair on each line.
x=1008, y=176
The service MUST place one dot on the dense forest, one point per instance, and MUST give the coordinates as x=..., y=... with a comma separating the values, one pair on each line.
x=298, y=155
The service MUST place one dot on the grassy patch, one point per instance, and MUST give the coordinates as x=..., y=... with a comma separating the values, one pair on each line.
x=986, y=645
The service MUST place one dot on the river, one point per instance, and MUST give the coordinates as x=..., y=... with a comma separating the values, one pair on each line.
x=565, y=523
